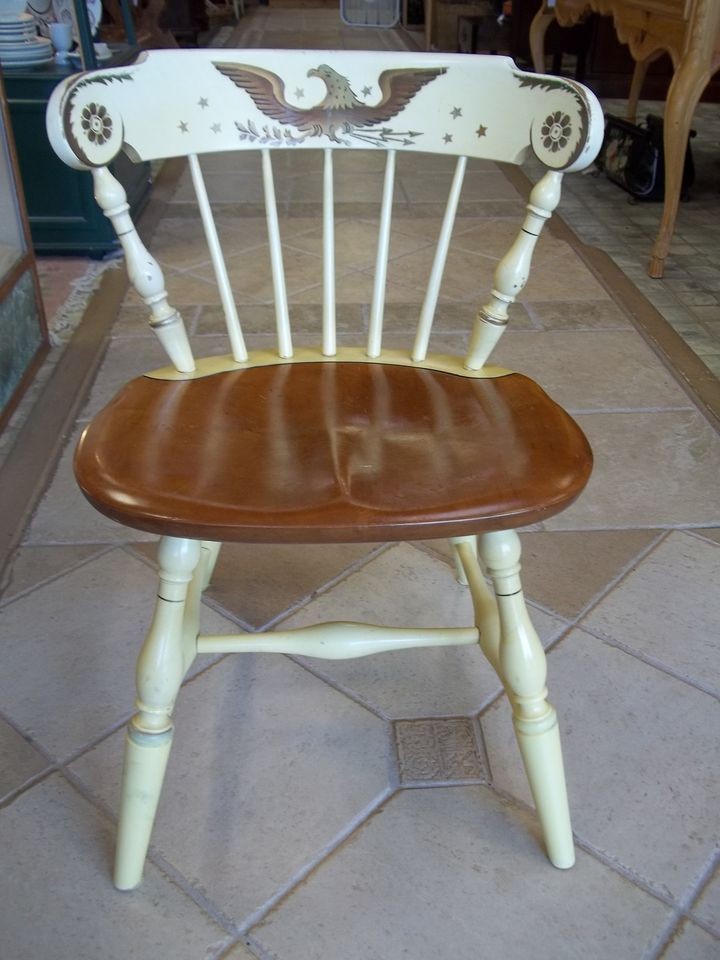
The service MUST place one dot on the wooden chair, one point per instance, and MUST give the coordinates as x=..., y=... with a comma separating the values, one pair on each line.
x=330, y=444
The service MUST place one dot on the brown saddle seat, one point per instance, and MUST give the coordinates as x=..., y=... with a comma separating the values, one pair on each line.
x=326, y=451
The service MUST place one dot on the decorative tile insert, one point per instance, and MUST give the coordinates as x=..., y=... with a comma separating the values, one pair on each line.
x=438, y=750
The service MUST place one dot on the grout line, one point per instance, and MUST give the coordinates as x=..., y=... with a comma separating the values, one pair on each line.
x=653, y=662
x=101, y=552
x=682, y=913
x=12, y=795
x=617, y=866
x=358, y=821
x=703, y=537
x=344, y=574
x=341, y=688
x=157, y=859
x=621, y=575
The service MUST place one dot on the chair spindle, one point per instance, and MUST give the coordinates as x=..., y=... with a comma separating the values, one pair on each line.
x=144, y=271
x=381, y=261
x=512, y=272
x=427, y=314
x=282, y=318
x=232, y=321
x=329, y=348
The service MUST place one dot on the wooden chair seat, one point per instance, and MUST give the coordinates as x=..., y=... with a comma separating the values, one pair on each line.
x=317, y=452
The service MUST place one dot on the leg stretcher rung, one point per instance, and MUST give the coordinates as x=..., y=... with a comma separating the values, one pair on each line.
x=337, y=641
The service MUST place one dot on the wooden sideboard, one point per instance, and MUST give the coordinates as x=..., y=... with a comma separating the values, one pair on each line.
x=689, y=31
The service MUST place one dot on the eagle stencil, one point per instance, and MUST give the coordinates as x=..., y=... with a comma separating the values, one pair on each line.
x=340, y=114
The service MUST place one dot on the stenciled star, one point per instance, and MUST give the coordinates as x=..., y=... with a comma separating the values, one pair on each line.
x=183, y=127
x=448, y=138
x=455, y=113
x=202, y=102
x=366, y=91
x=216, y=127
x=299, y=93
x=481, y=131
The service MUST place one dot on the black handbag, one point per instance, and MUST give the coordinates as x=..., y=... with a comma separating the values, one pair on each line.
x=632, y=156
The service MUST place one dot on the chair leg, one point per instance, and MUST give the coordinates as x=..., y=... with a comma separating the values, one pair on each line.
x=210, y=551
x=523, y=667
x=161, y=667
x=460, y=572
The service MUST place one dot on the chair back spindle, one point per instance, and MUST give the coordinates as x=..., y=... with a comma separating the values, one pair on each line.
x=329, y=338
x=427, y=314
x=377, y=307
x=282, y=315
x=232, y=321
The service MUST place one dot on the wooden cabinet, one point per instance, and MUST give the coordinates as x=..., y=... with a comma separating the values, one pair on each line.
x=63, y=215
x=23, y=334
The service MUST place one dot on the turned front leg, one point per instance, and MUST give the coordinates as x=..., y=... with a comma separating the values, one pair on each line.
x=160, y=671
x=523, y=668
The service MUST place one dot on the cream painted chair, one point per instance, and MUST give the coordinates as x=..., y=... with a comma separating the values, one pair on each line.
x=330, y=444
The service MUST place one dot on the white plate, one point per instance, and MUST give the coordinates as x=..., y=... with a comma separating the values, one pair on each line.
x=25, y=63
x=30, y=58
x=27, y=46
x=25, y=51
x=16, y=37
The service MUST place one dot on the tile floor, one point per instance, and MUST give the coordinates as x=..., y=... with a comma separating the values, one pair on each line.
x=377, y=808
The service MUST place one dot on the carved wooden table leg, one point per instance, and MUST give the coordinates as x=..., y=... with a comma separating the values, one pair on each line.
x=638, y=80
x=687, y=85
x=538, y=28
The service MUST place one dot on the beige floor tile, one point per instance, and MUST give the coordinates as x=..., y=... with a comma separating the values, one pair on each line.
x=33, y=565
x=86, y=629
x=186, y=289
x=562, y=276
x=651, y=470
x=250, y=277
x=356, y=244
x=707, y=907
x=132, y=321
x=406, y=587
x=64, y=516
x=181, y=243
x=641, y=756
x=565, y=571
x=224, y=187
x=592, y=370
x=124, y=361
x=19, y=760
x=258, y=582
x=710, y=533
x=493, y=238
x=57, y=899
x=433, y=187
x=466, y=275
x=304, y=318
x=692, y=943
x=434, y=875
x=577, y=314
x=268, y=765
x=668, y=609
x=357, y=288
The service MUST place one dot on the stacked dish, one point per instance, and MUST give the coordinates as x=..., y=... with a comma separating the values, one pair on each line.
x=19, y=44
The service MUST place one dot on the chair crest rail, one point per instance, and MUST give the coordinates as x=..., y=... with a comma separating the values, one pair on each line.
x=229, y=100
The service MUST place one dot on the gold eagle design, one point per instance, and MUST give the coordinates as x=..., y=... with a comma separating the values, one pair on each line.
x=340, y=112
